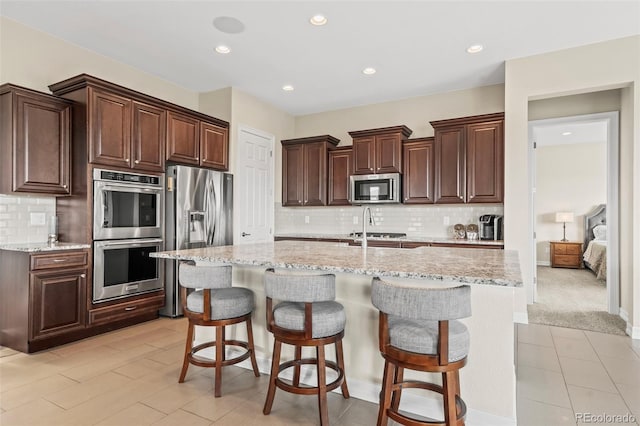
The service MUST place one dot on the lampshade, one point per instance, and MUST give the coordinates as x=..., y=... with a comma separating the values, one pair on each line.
x=564, y=217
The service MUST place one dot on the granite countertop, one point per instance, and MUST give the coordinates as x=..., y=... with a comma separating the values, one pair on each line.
x=472, y=266
x=40, y=247
x=413, y=239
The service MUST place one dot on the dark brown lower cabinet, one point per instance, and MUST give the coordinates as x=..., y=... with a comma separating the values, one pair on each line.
x=43, y=298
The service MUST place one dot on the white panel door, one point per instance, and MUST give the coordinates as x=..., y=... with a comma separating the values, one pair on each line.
x=254, y=187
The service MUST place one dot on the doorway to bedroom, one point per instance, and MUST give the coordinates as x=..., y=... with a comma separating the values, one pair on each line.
x=574, y=194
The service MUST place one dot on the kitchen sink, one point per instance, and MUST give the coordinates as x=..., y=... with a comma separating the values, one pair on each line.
x=379, y=234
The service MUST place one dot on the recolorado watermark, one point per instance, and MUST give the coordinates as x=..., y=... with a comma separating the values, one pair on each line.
x=605, y=418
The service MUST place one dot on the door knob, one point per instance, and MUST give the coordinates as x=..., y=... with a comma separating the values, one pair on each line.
x=244, y=234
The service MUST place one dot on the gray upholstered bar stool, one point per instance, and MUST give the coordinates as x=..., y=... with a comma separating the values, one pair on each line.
x=307, y=315
x=418, y=330
x=215, y=303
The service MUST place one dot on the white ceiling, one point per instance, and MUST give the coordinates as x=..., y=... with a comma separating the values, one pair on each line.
x=418, y=47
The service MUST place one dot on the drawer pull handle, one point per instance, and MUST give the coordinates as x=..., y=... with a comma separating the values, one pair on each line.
x=130, y=308
x=60, y=260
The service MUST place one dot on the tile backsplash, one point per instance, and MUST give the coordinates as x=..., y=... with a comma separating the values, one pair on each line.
x=25, y=219
x=423, y=220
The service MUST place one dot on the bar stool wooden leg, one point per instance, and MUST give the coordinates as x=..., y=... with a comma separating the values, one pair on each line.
x=322, y=386
x=449, y=394
x=399, y=377
x=340, y=360
x=296, y=368
x=219, y=358
x=187, y=352
x=224, y=337
x=385, y=395
x=254, y=364
x=275, y=367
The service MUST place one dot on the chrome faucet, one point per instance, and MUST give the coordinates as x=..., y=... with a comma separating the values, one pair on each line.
x=364, y=226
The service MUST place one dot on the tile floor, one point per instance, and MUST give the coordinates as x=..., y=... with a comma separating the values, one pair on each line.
x=563, y=372
x=129, y=377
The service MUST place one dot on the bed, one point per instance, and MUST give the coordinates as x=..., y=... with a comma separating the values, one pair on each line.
x=595, y=241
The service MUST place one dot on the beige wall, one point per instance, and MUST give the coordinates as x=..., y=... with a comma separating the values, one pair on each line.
x=216, y=103
x=568, y=178
x=35, y=60
x=416, y=113
x=607, y=65
x=584, y=103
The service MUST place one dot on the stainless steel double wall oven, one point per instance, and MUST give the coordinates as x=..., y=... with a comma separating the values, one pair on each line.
x=128, y=224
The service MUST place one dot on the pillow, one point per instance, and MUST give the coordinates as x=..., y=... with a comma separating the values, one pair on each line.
x=600, y=232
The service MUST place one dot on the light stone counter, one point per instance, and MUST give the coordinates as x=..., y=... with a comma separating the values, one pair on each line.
x=488, y=381
x=472, y=266
x=40, y=247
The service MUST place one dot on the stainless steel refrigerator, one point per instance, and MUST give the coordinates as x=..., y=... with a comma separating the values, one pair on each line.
x=199, y=213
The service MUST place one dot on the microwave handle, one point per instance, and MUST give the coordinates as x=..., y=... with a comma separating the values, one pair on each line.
x=393, y=189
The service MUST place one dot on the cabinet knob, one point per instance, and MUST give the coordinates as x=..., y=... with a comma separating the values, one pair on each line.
x=126, y=160
x=137, y=161
x=197, y=158
x=83, y=275
x=64, y=186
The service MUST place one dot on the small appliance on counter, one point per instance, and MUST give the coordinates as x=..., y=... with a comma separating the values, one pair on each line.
x=491, y=227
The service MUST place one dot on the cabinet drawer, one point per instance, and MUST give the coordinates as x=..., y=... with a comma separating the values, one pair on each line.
x=566, y=260
x=125, y=310
x=573, y=249
x=58, y=260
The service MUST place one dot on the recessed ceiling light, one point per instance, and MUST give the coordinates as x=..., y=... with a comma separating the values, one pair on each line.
x=369, y=71
x=222, y=49
x=287, y=88
x=566, y=133
x=318, y=20
x=475, y=48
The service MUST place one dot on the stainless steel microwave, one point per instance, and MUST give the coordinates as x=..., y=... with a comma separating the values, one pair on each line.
x=382, y=188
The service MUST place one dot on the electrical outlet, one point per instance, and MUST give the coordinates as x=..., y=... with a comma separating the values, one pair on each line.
x=37, y=219
x=306, y=219
x=355, y=220
x=445, y=220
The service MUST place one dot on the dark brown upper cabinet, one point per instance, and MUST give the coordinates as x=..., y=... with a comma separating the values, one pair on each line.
x=340, y=163
x=197, y=142
x=124, y=132
x=418, y=171
x=378, y=150
x=35, y=142
x=304, y=170
x=469, y=159
x=127, y=129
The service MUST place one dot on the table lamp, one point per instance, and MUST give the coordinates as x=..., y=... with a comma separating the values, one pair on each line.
x=564, y=217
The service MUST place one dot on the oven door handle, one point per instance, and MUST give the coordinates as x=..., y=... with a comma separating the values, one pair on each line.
x=130, y=242
x=131, y=188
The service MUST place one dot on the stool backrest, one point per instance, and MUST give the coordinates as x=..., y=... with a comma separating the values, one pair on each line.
x=437, y=304
x=299, y=287
x=192, y=276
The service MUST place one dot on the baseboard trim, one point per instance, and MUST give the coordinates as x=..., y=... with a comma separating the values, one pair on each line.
x=624, y=314
x=543, y=263
x=370, y=392
x=521, y=317
x=633, y=332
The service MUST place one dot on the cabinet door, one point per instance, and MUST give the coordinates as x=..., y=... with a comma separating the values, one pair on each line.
x=363, y=155
x=110, y=129
x=418, y=172
x=339, y=172
x=292, y=180
x=183, y=144
x=58, y=301
x=42, y=144
x=214, y=146
x=485, y=162
x=315, y=174
x=148, y=138
x=388, y=154
x=450, y=165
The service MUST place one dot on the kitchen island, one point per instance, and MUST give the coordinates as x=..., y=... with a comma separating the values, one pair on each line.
x=488, y=380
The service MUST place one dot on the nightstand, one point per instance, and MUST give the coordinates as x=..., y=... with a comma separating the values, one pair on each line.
x=566, y=254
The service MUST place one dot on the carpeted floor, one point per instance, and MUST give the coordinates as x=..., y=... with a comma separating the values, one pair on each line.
x=573, y=298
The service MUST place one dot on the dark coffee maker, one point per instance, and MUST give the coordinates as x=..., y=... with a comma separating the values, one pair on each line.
x=491, y=227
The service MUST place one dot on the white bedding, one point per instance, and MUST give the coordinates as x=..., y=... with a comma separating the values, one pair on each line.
x=596, y=258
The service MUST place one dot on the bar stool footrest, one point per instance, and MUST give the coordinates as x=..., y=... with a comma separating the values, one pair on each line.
x=308, y=390
x=210, y=363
